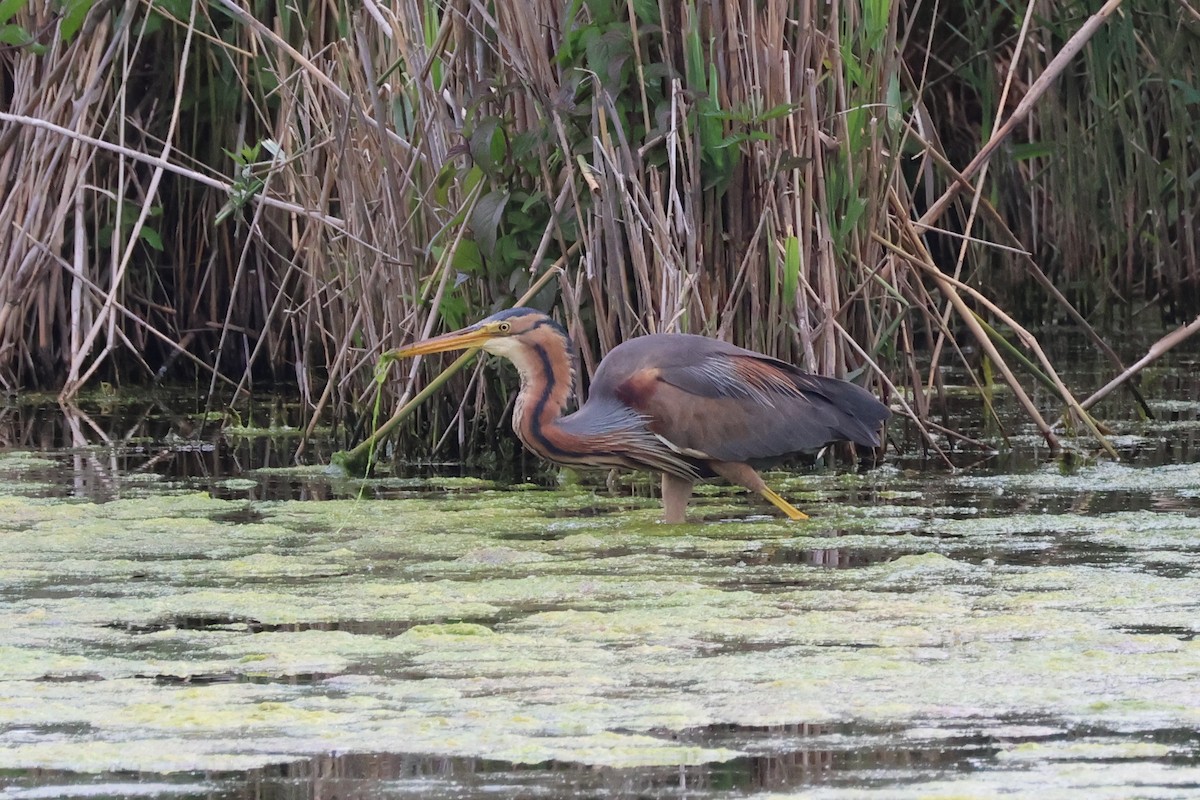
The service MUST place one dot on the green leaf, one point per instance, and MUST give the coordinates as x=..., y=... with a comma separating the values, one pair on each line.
x=485, y=220
x=791, y=269
x=781, y=110
x=14, y=35
x=509, y=251
x=472, y=179
x=151, y=237
x=731, y=140
x=454, y=309
x=76, y=12
x=876, y=16
x=467, y=257
x=1028, y=150
x=693, y=56
x=790, y=161
x=9, y=9
x=646, y=11
x=895, y=102
x=603, y=12
x=1190, y=95
x=431, y=24
x=179, y=9
x=486, y=145
x=854, y=70
x=854, y=211
x=536, y=200
x=153, y=24
x=609, y=54
x=446, y=177
x=731, y=115
x=856, y=125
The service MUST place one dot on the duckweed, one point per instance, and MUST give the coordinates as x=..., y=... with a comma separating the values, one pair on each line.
x=182, y=632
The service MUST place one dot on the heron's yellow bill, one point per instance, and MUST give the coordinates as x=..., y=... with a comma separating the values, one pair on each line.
x=458, y=340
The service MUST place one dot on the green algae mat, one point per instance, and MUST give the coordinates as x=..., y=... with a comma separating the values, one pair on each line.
x=925, y=634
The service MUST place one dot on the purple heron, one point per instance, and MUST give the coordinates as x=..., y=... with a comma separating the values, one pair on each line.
x=687, y=406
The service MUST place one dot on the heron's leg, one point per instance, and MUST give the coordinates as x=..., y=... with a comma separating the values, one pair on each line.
x=744, y=475
x=676, y=492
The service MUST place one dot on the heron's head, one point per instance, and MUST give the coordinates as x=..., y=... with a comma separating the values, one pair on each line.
x=518, y=334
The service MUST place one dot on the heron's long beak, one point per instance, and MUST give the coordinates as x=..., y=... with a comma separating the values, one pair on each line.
x=458, y=340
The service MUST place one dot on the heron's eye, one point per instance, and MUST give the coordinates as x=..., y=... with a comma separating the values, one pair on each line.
x=504, y=327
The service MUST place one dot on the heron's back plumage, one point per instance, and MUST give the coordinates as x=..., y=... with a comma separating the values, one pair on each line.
x=713, y=400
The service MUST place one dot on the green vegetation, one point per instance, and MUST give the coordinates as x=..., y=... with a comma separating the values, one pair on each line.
x=242, y=193
x=177, y=631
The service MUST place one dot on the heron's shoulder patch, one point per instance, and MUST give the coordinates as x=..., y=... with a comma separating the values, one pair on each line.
x=637, y=389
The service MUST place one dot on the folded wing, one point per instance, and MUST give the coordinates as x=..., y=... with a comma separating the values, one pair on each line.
x=712, y=400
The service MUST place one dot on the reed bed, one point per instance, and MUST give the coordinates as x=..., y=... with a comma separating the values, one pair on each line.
x=248, y=197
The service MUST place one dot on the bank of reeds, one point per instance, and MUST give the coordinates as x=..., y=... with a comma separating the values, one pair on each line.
x=1101, y=182
x=248, y=196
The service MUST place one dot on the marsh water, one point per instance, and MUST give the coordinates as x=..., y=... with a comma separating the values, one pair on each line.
x=181, y=616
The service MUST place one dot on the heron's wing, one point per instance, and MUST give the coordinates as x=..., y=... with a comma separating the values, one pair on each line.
x=616, y=435
x=735, y=405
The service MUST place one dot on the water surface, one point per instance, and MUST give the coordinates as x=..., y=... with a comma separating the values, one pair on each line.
x=181, y=617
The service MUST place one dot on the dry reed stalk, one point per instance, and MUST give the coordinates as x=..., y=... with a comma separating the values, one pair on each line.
x=648, y=259
x=36, y=168
x=76, y=374
x=951, y=287
x=1156, y=351
x=715, y=167
x=1039, y=87
x=1032, y=268
x=223, y=188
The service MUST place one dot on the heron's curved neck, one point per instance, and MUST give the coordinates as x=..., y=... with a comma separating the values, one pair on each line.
x=547, y=380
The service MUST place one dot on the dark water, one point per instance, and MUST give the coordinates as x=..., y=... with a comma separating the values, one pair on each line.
x=795, y=756
x=101, y=450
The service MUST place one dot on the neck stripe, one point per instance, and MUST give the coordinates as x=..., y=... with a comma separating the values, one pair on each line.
x=535, y=421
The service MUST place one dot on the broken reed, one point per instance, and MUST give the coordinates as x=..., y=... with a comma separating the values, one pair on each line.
x=286, y=196
x=1100, y=185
